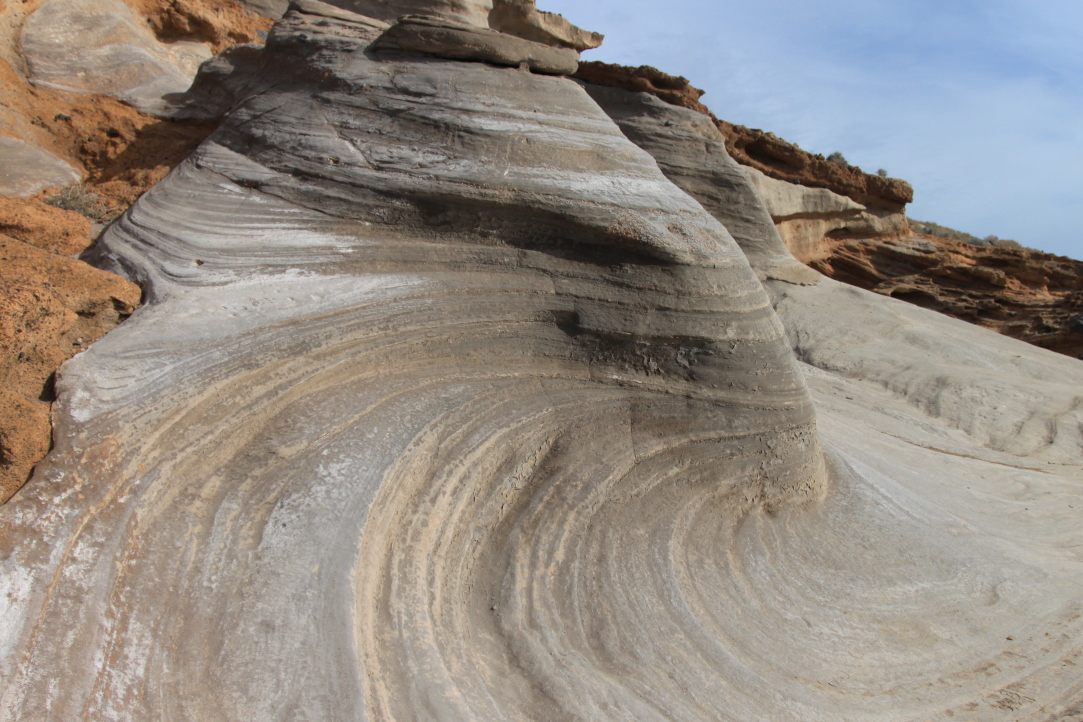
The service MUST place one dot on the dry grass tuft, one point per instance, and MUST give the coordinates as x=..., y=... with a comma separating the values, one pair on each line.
x=80, y=199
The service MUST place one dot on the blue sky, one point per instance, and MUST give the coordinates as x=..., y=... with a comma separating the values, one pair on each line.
x=979, y=104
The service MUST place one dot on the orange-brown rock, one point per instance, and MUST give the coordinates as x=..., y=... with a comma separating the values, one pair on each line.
x=48, y=228
x=220, y=23
x=786, y=161
x=52, y=307
x=1025, y=294
x=674, y=89
x=122, y=151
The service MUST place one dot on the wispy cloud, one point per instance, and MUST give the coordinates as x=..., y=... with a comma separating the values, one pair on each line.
x=978, y=103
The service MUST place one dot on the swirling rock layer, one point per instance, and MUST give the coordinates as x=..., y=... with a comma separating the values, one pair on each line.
x=447, y=404
x=422, y=354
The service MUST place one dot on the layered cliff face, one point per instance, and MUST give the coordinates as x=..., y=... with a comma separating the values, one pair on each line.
x=1025, y=294
x=850, y=225
x=52, y=307
x=422, y=337
x=811, y=200
x=75, y=78
x=466, y=390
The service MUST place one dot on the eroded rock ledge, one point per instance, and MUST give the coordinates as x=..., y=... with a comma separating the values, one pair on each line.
x=1025, y=294
x=761, y=150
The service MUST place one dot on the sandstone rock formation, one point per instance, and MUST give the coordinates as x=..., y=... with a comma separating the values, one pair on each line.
x=673, y=89
x=53, y=304
x=783, y=160
x=692, y=154
x=457, y=395
x=25, y=170
x=767, y=153
x=1025, y=294
x=811, y=200
x=52, y=307
x=849, y=225
x=454, y=41
x=522, y=18
x=218, y=23
x=120, y=55
x=810, y=220
x=420, y=329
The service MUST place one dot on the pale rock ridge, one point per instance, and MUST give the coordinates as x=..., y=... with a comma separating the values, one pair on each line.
x=786, y=200
x=474, y=13
x=808, y=219
x=415, y=348
x=692, y=153
x=25, y=170
x=522, y=18
x=442, y=39
x=120, y=56
x=273, y=9
x=1005, y=394
x=513, y=17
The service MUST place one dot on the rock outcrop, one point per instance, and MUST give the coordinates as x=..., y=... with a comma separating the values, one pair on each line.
x=811, y=220
x=120, y=55
x=55, y=305
x=463, y=391
x=444, y=39
x=52, y=307
x=523, y=19
x=26, y=170
x=692, y=154
x=764, y=151
x=1025, y=294
x=423, y=336
x=812, y=201
x=849, y=225
x=219, y=24
x=674, y=89
x=785, y=161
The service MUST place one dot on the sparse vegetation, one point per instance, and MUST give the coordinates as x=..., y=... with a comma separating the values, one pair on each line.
x=991, y=241
x=82, y=200
x=837, y=158
x=939, y=231
x=882, y=172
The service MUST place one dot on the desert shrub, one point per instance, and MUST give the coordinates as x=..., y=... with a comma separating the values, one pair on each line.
x=82, y=200
x=837, y=158
x=882, y=173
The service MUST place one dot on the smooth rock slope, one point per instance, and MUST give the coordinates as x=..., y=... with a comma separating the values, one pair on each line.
x=25, y=170
x=120, y=55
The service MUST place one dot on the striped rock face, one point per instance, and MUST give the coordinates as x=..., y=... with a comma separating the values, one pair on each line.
x=435, y=366
x=471, y=12
x=446, y=404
